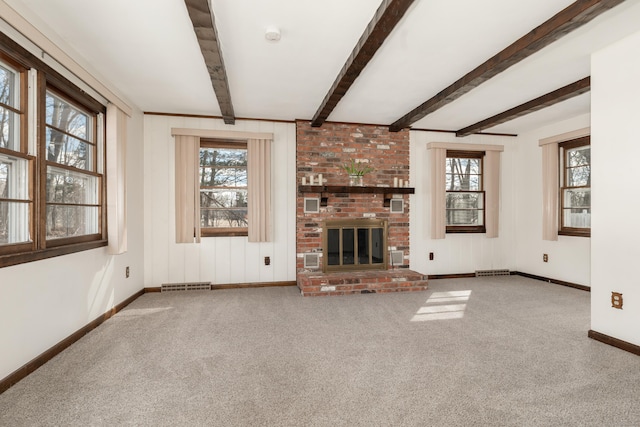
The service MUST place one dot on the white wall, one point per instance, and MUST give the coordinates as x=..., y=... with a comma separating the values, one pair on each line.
x=460, y=253
x=220, y=260
x=43, y=302
x=569, y=256
x=615, y=146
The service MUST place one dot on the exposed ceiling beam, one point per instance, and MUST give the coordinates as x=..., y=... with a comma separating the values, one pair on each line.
x=205, y=28
x=546, y=100
x=384, y=21
x=562, y=23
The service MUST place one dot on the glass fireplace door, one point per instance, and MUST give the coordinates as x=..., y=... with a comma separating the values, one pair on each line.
x=354, y=245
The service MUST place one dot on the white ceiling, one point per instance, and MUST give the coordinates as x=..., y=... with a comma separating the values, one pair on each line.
x=148, y=50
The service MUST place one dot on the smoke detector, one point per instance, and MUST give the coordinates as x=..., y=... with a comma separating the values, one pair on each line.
x=272, y=34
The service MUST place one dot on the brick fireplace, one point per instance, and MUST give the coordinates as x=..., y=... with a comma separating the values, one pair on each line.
x=321, y=151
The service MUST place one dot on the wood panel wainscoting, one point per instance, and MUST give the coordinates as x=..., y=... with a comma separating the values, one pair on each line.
x=215, y=287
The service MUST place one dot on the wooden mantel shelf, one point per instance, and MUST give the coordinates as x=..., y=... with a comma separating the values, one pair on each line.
x=354, y=189
x=325, y=190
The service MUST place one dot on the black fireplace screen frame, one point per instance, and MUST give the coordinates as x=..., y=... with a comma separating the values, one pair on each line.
x=355, y=244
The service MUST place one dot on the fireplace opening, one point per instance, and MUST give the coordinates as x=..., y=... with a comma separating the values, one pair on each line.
x=354, y=244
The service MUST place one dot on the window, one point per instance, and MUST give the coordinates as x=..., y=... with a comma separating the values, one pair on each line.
x=16, y=207
x=464, y=192
x=223, y=188
x=51, y=183
x=10, y=106
x=72, y=182
x=230, y=179
x=575, y=187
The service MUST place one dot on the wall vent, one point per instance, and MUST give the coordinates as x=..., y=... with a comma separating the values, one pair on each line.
x=311, y=205
x=397, y=258
x=191, y=286
x=396, y=206
x=311, y=260
x=482, y=273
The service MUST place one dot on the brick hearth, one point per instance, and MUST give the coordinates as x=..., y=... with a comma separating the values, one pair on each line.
x=360, y=282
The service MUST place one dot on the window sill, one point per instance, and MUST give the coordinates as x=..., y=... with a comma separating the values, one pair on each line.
x=224, y=232
x=461, y=230
x=580, y=233
x=25, y=257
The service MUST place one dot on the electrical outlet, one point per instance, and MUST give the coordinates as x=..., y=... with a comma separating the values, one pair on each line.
x=430, y=256
x=267, y=260
x=545, y=258
x=616, y=300
x=126, y=272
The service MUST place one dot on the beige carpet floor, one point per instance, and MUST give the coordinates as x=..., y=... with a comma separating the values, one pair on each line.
x=501, y=351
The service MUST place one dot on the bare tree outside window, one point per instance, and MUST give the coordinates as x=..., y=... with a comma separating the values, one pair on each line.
x=72, y=194
x=575, y=206
x=464, y=193
x=52, y=187
x=14, y=194
x=9, y=112
x=223, y=187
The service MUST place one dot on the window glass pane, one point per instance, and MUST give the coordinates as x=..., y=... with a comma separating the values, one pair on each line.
x=333, y=246
x=64, y=116
x=223, y=177
x=575, y=209
x=465, y=209
x=580, y=198
x=579, y=176
x=223, y=199
x=464, y=217
x=377, y=251
x=580, y=156
x=456, y=165
x=14, y=175
x=223, y=187
x=9, y=86
x=465, y=201
x=223, y=208
x=577, y=218
x=223, y=218
x=463, y=174
x=64, y=186
x=14, y=222
x=223, y=156
x=459, y=182
x=348, y=246
x=9, y=129
x=71, y=221
x=363, y=246
x=66, y=150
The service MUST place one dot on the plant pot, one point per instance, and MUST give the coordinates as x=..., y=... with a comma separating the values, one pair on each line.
x=356, y=180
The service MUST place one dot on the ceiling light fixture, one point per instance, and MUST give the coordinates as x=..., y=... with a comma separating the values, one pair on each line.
x=272, y=34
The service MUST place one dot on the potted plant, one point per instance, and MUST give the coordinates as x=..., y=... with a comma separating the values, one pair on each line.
x=356, y=171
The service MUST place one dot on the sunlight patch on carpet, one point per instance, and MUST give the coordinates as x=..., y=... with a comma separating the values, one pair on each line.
x=138, y=312
x=436, y=309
